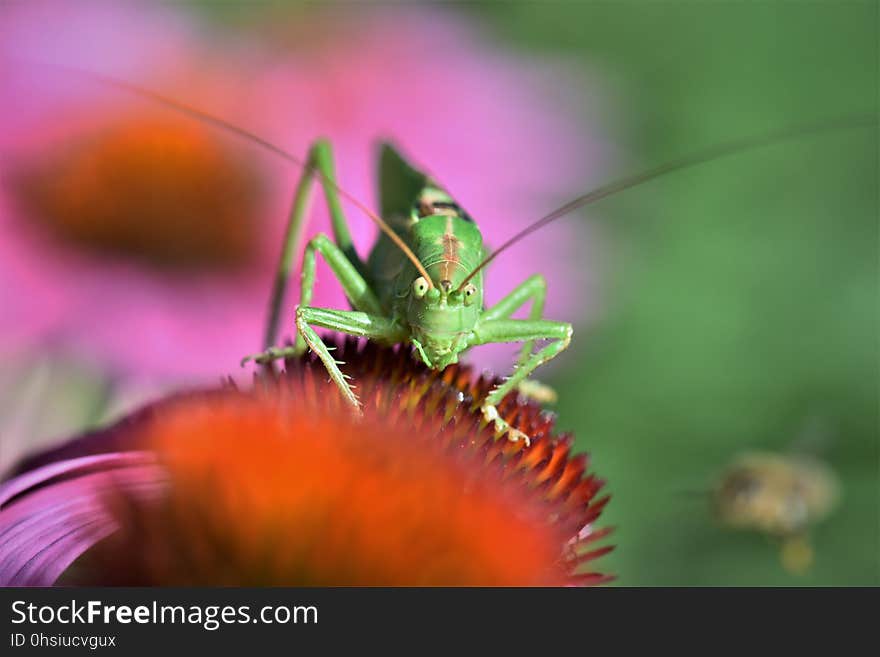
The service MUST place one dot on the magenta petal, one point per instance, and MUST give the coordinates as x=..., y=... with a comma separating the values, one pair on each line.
x=50, y=516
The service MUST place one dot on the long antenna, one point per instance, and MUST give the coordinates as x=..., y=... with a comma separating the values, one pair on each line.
x=204, y=117
x=701, y=157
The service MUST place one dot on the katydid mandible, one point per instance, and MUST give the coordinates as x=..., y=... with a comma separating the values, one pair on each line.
x=422, y=282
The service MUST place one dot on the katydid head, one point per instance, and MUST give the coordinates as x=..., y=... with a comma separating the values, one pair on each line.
x=441, y=319
x=440, y=310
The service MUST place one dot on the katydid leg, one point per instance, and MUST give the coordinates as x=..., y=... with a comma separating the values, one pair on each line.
x=320, y=162
x=353, y=284
x=519, y=330
x=350, y=322
x=533, y=289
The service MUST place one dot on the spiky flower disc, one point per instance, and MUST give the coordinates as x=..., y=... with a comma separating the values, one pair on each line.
x=283, y=484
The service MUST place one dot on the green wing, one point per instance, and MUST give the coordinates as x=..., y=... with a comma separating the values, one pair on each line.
x=399, y=185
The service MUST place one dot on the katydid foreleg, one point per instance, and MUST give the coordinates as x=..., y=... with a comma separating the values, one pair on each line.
x=350, y=322
x=367, y=320
x=519, y=330
x=353, y=284
x=533, y=289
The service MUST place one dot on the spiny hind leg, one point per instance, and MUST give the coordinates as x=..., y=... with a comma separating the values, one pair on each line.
x=533, y=289
x=519, y=330
x=354, y=285
x=319, y=163
x=350, y=322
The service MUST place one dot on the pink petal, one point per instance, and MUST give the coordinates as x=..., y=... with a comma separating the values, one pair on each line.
x=51, y=515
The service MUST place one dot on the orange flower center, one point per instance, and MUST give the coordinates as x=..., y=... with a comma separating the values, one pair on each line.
x=284, y=485
x=158, y=190
x=265, y=493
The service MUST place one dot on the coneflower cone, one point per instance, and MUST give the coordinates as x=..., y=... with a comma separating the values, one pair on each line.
x=283, y=484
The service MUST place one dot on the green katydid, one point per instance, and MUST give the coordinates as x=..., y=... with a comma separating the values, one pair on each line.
x=422, y=282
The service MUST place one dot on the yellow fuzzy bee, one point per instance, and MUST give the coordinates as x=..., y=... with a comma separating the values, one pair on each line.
x=779, y=495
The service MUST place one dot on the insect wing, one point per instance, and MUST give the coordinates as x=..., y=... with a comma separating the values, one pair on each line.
x=399, y=185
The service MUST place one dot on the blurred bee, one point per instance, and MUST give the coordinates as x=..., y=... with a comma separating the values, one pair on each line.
x=779, y=495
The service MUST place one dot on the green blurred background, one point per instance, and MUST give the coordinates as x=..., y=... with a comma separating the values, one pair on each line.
x=740, y=297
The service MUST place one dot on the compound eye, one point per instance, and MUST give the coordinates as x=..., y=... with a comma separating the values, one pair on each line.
x=470, y=293
x=420, y=287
